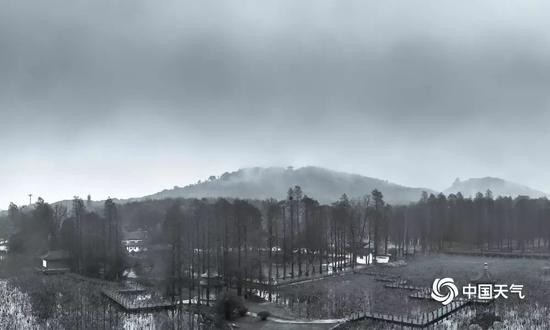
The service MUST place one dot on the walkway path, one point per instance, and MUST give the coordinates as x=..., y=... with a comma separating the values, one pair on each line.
x=318, y=321
x=422, y=321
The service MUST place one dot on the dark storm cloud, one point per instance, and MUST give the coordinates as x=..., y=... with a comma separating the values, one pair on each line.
x=276, y=82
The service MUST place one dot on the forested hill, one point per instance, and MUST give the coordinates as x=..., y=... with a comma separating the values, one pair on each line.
x=319, y=183
x=498, y=187
x=257, y=183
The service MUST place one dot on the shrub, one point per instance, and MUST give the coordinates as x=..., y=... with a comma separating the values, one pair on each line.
x=263, y=315
x=230, y=305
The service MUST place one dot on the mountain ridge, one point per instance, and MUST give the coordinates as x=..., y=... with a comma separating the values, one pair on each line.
x=498, y=186
x=273, y=182
x=319, y=183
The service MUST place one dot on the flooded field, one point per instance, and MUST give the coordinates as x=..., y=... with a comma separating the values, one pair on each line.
x=340, y=296
x=35, y=301
x=51, y=305
x=343, y=295
x=61, y=302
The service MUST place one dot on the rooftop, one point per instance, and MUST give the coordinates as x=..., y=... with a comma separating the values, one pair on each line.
x=56, y=255
x=484, y=277
x=135, y=235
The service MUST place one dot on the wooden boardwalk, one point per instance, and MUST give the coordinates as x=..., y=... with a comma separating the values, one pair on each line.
x=130, y=304
x=422, y=321
x=404, y=286
x=369, y=273
x=501, y=254
x=299, y=280
x=422, y=294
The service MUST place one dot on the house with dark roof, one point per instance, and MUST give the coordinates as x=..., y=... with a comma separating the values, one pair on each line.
x=55, y=262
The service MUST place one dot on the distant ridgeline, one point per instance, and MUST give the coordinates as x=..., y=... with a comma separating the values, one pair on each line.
x=497, y=186
x=324, y=185
x=327, y=186
x=273, y=182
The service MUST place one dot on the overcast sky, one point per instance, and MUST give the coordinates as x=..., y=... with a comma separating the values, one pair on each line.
x=125, y=98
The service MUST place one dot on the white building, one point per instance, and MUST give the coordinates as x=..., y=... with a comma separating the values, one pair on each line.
x=136, y=242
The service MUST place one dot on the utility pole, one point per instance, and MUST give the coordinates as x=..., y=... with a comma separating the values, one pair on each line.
x=30, y=199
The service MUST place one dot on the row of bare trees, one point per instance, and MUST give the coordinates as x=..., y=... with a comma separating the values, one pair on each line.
x=214, y=244
x=242, y=244
x=439, y=222
x=92, y=240
x=247, y=242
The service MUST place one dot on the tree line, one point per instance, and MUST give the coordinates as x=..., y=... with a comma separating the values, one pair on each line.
x=93, y=239
x=201, y=246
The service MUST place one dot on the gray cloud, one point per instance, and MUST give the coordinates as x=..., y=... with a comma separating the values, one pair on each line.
x=128, y=97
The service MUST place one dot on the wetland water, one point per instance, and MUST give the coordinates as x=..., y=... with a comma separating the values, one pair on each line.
x=36, y=301
x=340, y=296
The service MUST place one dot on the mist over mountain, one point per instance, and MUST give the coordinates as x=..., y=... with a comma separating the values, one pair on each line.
x=319, y=183
x=498, y=187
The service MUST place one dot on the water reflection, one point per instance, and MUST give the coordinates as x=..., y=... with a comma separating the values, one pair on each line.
x=339, y=297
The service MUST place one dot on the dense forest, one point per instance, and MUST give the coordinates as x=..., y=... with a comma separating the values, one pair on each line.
x=250, y=241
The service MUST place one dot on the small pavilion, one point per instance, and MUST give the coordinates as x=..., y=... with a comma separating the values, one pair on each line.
x=485, y=309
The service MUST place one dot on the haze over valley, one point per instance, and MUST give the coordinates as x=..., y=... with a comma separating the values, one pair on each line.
x=274, y=164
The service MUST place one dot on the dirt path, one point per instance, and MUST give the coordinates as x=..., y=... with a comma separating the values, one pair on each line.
x=319, y=321
x=281, y=318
